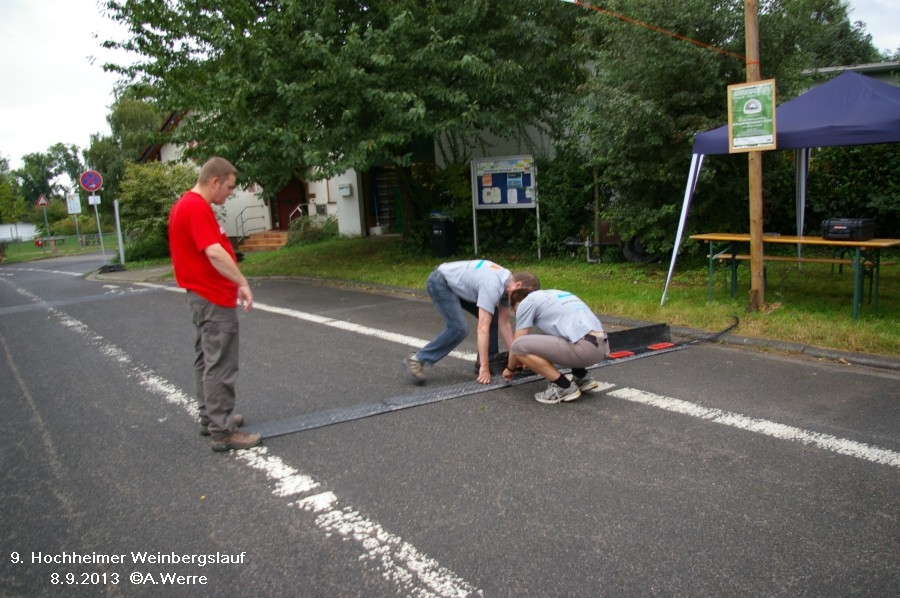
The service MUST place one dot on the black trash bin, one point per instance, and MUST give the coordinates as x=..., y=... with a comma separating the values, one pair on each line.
x=443, y=236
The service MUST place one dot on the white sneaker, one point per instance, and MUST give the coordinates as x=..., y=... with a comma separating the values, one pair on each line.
x=415, y=369
x=555, y=394
x=586, y=384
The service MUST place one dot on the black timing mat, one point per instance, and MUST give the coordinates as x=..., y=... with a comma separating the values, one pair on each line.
x=625, y=345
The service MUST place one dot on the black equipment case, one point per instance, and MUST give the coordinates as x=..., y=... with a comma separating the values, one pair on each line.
x=848, y=229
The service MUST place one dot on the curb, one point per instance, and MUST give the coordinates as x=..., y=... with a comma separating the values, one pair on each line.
x=845, y=357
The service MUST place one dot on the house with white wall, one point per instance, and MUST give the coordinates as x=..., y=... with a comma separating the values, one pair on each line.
x=364, y=204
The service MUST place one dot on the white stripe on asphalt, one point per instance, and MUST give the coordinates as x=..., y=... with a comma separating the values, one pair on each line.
x=48, y=271
x=394, y=559
x=401, y=339
x=827, y=442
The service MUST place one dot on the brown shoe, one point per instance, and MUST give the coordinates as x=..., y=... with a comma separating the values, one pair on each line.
x=235, y=441
x=237, y=418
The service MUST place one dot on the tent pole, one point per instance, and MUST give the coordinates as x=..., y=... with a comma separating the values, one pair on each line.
x=801, y=172
x=754, y=164
x=693, y=175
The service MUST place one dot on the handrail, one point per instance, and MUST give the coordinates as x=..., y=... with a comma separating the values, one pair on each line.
x=299, y=210
x=241, y=222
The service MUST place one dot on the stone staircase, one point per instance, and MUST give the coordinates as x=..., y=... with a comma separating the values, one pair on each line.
x=269, y=240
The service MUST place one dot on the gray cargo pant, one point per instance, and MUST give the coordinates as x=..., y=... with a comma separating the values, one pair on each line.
x=215, y=362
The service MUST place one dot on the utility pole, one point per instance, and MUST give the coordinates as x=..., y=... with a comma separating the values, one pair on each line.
x=754, y=164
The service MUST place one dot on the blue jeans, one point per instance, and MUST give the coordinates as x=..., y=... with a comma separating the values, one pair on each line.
x=456, y=329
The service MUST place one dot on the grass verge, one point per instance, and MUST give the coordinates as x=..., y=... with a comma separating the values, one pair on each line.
x=812, y=305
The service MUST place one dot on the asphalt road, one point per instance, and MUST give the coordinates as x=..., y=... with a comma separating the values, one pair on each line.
x=708, y=471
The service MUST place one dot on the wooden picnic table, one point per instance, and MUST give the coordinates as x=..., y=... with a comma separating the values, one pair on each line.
x=865, y=256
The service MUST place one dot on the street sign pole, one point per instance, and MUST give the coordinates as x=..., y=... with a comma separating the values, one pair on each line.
x=42, y=201
x=73, y=204
x=94, y=200
x=46, y=226
x=91, y=181
x=119, y=233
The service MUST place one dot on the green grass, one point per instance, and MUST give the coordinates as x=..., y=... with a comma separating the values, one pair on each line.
x=26, y=251
x=811, y=305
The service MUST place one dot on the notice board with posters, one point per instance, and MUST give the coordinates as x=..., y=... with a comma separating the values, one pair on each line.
x=501, y=183
x=751, y=116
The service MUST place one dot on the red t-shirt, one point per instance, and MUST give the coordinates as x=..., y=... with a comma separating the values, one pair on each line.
x=192, y=228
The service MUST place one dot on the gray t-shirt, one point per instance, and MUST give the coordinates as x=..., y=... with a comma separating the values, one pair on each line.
x=558, y=313
x=481, y=282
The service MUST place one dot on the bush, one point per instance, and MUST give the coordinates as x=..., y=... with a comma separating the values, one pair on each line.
x=87, y=225
x=150, y=247
x=315, y=229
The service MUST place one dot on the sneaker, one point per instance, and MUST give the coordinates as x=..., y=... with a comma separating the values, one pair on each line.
x=237, y=418
x=585, y=384
x=235, y=441
x=415, y=368
x=555, y=394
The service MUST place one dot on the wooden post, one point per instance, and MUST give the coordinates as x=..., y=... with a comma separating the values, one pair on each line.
x=597, y=228
x=754, y=166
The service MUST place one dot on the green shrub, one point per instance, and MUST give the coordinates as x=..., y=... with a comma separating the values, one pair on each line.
x=308, y=230
x=149, y=247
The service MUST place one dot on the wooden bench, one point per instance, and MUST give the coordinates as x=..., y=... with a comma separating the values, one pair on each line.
x=726, y=256
x=866, y=254
x=741, y=257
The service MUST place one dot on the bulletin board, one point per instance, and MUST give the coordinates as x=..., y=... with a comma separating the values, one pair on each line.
x=502, y=183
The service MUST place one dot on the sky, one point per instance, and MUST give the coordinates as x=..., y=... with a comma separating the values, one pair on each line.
x=54, y=89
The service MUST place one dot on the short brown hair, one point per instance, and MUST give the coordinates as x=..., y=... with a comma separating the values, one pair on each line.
x=529, y=281
x=216, y=168
x=516, y=297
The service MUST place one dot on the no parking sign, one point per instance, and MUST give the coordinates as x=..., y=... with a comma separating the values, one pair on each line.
x=90, y=180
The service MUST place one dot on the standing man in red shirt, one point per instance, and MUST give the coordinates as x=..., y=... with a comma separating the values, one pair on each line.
x=206, y=266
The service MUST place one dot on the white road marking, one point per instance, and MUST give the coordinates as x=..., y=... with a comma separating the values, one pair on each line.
x=398, y=561
x=827, y=442
x=393, y=337
x=47, y=271
x=395, y=560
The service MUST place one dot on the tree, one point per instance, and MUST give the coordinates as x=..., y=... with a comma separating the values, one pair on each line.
x=146, y=195
x=310, y=89
x=51, y=174
x=12, y=205
x=133, y=122
x=634, y=121
x=837, y=189
x=37, y=177
x=66, y=162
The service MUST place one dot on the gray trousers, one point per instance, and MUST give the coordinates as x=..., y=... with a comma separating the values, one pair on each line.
x=215, y=362
x=560, y=351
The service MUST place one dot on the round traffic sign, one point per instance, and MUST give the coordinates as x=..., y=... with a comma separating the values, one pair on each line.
x=91, y=180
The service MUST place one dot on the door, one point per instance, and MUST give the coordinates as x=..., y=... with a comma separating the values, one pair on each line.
x=288, y=204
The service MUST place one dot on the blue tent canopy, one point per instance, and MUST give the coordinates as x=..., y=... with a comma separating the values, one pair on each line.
x=851, y=109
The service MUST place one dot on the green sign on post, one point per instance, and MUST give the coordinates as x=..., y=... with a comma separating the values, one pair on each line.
x=751, y=116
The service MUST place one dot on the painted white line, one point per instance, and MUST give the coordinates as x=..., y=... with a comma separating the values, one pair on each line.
x=398, y=561
x=48, y=271
x=400, y=339
x=413, y=572
x=827, y=442
x=775, y=430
